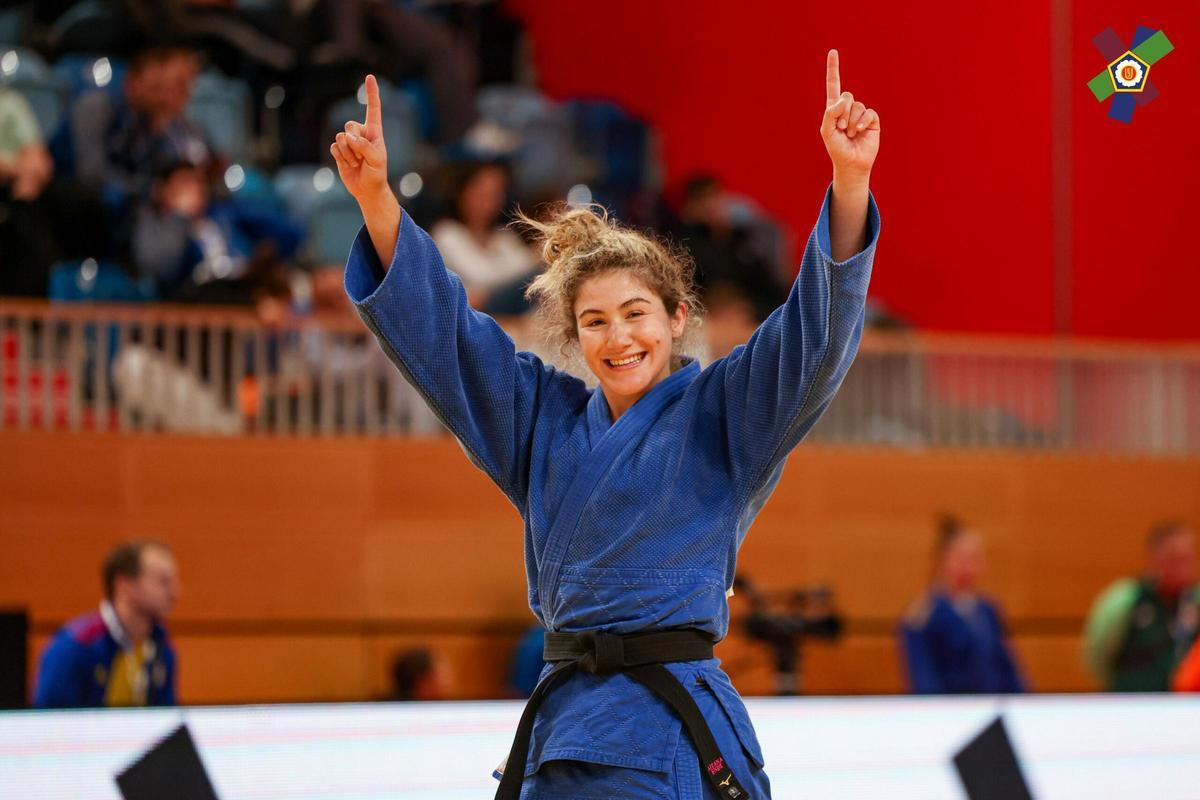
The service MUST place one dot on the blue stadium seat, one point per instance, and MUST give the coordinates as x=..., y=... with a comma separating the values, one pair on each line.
x=547, y=154
x=255, y=187
x=513, y=107
x=25, y=71
x=332, y=225
x=301, y=185
x=401, y=124
x=221, y=106
x=12, y=26
x=417, y=90
x=620, y=142
x=315, y=195
x=82, y=72
x=98, y=282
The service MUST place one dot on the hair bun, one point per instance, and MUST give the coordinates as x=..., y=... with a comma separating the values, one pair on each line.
x=572, y=232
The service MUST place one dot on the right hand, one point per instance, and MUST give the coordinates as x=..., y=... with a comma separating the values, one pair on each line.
x=361, y=154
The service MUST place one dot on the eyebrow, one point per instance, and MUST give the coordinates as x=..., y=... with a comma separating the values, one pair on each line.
x=630, y=301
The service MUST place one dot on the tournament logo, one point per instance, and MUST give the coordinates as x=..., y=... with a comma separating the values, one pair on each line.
x=1126, y=79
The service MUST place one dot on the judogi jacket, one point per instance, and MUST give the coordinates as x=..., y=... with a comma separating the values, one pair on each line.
x=88, y=664
x=630, y=526
x=960, y=648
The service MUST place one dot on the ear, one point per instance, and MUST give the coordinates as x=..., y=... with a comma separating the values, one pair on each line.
x=679, y=320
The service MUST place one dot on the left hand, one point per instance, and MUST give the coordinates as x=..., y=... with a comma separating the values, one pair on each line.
x=849, y=128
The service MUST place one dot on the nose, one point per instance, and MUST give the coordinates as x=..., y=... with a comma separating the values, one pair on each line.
x=618, y=335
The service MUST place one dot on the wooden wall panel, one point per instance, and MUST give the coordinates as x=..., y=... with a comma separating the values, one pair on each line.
x=323, y=558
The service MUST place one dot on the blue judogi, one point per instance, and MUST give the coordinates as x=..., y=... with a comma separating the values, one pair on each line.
x=630, y=526
x=958, y=648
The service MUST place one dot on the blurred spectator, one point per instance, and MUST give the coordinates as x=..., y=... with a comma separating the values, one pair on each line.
x=343, y=358
x=725, y=253
x=42, y=220
x=418, y=675
x=1139, y=629
x=527, y=662
x=184, y=239
x=118, y=655
x=117, y=140
x=953, y=638
x=25, y=165
x=488, y=257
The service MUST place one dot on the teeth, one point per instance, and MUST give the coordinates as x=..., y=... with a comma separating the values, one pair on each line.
x=624, y=361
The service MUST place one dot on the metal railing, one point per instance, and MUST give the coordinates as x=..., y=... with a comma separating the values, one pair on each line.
x=218, y=371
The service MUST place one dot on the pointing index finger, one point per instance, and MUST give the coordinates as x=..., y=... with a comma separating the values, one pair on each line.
x=374, y=122
x=833, y=78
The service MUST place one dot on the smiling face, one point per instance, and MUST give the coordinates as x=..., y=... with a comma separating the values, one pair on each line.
x=626, y=335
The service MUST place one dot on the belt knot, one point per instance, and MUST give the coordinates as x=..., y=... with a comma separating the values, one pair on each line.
x=605, y=652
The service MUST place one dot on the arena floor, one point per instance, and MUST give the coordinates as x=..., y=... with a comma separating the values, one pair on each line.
x=1070, y=747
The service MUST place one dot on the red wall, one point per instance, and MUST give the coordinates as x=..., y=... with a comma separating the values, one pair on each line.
x=965, y=174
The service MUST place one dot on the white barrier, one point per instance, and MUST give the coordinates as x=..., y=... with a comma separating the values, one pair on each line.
x=1071, y=747
x=219, y=371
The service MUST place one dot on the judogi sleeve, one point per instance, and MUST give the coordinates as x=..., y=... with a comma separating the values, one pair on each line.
x=462, y=363
x=778, y=384
x=924, y=676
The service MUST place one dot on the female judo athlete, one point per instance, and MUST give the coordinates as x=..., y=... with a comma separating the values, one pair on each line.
x=635, y=495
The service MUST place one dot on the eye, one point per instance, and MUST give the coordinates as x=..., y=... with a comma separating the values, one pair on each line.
x=593, y=323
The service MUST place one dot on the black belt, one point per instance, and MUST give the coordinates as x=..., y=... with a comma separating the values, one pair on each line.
x=640, y=656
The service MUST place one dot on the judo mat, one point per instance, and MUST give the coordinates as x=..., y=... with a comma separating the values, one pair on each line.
x=1081, y=746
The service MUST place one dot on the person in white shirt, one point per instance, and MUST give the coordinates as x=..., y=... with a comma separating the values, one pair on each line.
x=486, y=255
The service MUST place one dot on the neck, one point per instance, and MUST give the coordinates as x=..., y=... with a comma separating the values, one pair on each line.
x=137, y=626
x=618, y=405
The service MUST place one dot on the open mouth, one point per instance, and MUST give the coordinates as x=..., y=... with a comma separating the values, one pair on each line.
x=628, y=362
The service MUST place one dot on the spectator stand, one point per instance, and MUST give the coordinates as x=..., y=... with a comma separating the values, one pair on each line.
x=222, y=107
x=24, y=70
x=545, y=154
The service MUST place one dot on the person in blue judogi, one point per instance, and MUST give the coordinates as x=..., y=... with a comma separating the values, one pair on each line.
x=953, y=637
x=636, y=495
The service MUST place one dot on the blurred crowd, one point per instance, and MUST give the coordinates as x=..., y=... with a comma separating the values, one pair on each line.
x=177, y=151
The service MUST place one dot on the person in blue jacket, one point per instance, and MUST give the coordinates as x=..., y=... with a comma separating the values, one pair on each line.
x=953, y=638
x=119, y=654
x=635, y=495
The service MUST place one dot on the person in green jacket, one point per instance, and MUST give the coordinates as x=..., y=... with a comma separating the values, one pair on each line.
x=1139, y=629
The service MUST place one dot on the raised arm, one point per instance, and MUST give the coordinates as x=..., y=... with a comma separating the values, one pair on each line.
x=851, y=134
x=462, y=363
x=777, y=386
x=361, y=156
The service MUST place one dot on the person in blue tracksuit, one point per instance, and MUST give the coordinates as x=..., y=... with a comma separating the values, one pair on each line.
x=637, y=495
x=953, y=637
x=119, y=654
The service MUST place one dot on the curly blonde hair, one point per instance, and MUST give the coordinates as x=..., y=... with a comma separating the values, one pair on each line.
x=581, y=242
